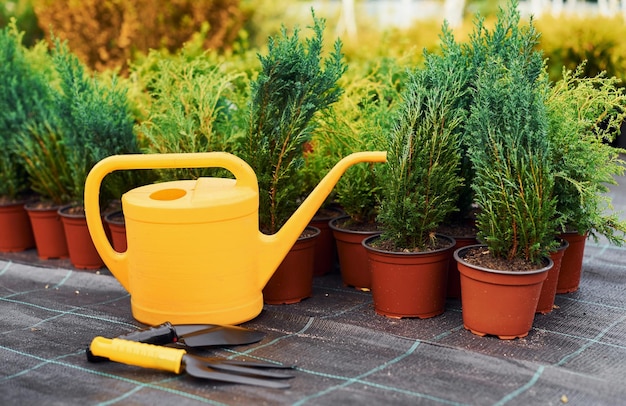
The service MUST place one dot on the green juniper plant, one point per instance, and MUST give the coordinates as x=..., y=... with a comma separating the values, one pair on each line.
x=585, y=115
x=357, y=122
x=85, y=122
x=293, y=85
x=421, y=179
x=513, y=182
x=191, y=107
x=506, y=135
x=24, y=94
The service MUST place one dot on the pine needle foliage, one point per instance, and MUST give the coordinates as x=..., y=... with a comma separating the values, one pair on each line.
x=357, y=122
x=22, y=96
x=190, y=109
x=585, y=114
x=513, y=182
x=509, y=147
x=85, y=122
x=421, y=179
x=294, y=84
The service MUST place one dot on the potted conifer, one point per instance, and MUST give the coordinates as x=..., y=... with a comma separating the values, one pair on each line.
x=24, y=91
x=513, y=182
x=585, y=117
x=358, y=121
x=88, y=119
x=294, y=84
x=420, y=182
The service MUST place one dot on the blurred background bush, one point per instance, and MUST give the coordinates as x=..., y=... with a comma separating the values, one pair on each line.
x=110, y=34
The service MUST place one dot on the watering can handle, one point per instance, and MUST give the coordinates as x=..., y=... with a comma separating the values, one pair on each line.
x=114, y=260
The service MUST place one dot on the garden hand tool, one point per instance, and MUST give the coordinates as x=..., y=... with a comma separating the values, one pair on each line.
x=190, y=335
x=178, y=360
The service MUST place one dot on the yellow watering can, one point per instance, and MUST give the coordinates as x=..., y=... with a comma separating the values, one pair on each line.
x=195, y=253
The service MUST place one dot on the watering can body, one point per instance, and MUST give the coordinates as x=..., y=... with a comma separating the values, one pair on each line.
x=194, y=252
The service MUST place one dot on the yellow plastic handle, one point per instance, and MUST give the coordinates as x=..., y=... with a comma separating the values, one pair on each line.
x=138, y=354
x=116, y=261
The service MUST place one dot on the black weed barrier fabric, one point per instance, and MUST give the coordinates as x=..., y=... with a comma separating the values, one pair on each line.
x=344, y=352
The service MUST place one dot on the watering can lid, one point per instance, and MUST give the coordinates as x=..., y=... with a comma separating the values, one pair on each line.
x=190, y=201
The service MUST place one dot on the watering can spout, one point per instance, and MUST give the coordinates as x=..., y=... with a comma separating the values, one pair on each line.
x=275, y=247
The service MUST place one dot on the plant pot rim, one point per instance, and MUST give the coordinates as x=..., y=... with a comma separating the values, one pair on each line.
x=564, y=244
x=333, y=225
x=114, y=217
x=48, y=206
x=316, y=231
x=335, y=210
x=63, y=211
x=366, y=243
x=458, y=257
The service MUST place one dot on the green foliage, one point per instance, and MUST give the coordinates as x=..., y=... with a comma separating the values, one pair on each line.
x=585, y=116
x=420, y=181
x=23, y=93
x=357, y=122
x=192, y=107
x=290, y=89
x=509, y=146
x=85, y=122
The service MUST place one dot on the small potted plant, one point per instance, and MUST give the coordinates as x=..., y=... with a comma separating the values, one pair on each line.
x=24, y=91
x=585, y=117
x=87, y=120
x=358, y=121
x=513, y=182
x=420, y=182
x=294, y=84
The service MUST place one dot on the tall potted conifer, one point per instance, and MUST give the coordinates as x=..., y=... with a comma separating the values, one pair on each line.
x=585, y=115
x=420, y=183
x=513, y=182
x=87, y=120
x=23, y=95
x=294, y=84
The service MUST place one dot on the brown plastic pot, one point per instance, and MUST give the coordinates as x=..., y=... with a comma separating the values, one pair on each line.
x=454, y=277
x=572, y=263
x=117, y=228
x=353, y=262
x=548, y=289
x=48, y=231
x=325, y=246
x=408, y=284
x=496, y=302
x=293, y=280
x=16, y=233
x=82, y=252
